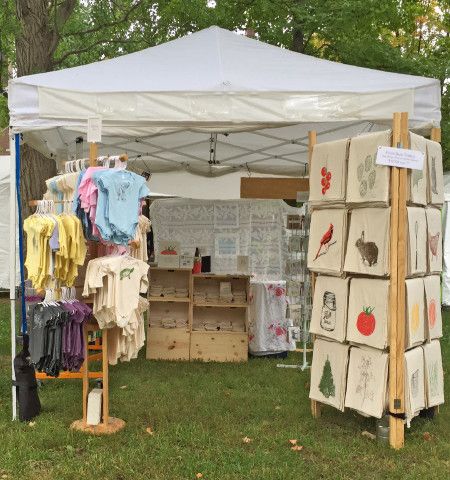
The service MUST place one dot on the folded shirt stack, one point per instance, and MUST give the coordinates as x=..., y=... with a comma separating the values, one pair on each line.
x=181, y=292
x=239, y=296
x=168, y=291
x=156, y=290
x=212, y=297
x=199, y=296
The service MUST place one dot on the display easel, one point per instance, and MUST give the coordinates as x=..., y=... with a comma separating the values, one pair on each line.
x=397, y=294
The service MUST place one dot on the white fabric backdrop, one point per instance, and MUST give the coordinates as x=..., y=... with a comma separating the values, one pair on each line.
x=446, y=244
x=4, y=224
x=260, y=231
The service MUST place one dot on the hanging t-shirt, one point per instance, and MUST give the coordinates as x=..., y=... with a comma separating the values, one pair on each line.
x=118, y=203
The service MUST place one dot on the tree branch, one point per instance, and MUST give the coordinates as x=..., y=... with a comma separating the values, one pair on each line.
x=106, y=25
x=60, y=60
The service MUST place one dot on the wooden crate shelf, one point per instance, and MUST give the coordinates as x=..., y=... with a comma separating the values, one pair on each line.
x=169, y=299
x=194, y=342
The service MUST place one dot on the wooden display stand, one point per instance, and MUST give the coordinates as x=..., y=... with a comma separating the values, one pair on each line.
x=397, y=294
x=109, y=424
x=193, y=342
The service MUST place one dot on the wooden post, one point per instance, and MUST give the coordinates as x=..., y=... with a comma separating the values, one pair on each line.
x=436, y=134
x=85, y=369
x=397, y=296
x=105, y=378
x=312, y=140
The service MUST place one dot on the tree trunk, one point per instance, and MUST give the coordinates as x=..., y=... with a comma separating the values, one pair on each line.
x=36, y=43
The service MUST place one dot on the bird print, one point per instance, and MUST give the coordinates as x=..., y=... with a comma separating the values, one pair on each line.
x=126, y=273
x=433, y=242
x=326, y=239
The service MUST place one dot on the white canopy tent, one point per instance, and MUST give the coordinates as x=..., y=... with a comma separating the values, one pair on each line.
x=252, y=102
x=211, y=103
x=446, y=244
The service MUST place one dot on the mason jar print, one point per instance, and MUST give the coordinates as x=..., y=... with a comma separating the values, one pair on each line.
x=328, y=314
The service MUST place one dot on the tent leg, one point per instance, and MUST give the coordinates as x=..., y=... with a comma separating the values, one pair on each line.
x=12, y=263
x=20, y=231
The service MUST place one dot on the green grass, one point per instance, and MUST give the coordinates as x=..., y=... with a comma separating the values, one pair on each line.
x=200, y=413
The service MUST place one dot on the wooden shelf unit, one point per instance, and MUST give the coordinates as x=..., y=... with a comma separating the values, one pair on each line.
x=194, y=342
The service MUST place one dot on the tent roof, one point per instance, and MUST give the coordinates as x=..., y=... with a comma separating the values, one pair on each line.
x=214, y=81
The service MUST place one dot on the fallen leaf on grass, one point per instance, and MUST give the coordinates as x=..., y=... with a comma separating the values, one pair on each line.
x=427, y=436
x=368, y=435
x=278, y=407
x=293, y=441
x=150, y=431
x=123, y=387
x=31, y=424
x=246, y=440
x=297, y=448
x=199, y=475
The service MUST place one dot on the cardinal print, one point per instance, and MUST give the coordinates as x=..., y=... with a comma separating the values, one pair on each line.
x=326, y=242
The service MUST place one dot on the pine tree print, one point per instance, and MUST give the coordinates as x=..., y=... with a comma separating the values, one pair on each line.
x=326, y=385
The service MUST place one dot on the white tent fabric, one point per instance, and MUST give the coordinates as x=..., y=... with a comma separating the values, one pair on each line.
x=446, y=239
x=4, y=223
x=166, y=104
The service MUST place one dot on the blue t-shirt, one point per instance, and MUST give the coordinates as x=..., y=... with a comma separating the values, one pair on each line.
x=119, y=193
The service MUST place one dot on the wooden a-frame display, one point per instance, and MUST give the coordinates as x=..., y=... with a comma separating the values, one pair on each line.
x=397, y=300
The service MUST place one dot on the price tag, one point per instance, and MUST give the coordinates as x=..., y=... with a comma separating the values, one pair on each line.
x=400, y=157
x=94, y=130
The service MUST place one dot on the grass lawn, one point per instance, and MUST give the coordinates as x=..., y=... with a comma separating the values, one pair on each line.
x=200, y=413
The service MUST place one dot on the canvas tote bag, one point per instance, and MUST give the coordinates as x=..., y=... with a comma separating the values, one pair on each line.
x=367, y=381
x=368, y=312
x=368, y=182
x=328, y=174
x=418, y=179
x=415, y=312
x=433, y=314
x=329, y=312
x=434, y=374
x=417, y=241
x=368, y=242
x=435, y=173
x=327, y=241
x=434, y=225
x=329, y=373
x=415, y=400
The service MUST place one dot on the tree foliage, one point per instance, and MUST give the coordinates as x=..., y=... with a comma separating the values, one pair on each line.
x=407, y=36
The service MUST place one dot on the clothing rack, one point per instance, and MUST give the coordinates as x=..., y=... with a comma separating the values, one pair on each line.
x=108, y=424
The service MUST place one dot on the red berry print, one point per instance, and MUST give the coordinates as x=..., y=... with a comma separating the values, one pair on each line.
x=323, y=171
x=328, y=176
x=324, y=190
x=323, y=182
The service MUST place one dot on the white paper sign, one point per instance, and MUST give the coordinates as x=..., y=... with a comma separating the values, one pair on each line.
x=94, y=130
x=400, y=157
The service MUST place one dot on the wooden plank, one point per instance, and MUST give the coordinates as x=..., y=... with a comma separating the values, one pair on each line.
x=169, y=299
x=93, y=154
x=436, y=134
x=219, y=347
x=68, y=375
x=312, y=140
x=397, y=299
x=273, y=188
x=168, y=343
x=105, y=379
x=85, y=372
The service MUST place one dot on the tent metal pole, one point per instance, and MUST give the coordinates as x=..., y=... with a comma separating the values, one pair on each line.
x=12, y=262
x=20, y=231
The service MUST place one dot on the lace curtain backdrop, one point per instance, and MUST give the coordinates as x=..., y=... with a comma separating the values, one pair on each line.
x=255, y=225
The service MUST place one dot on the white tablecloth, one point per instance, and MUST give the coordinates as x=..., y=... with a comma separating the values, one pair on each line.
x=268, y=325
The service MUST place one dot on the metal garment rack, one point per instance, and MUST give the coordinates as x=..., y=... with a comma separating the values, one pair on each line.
x=303, y=298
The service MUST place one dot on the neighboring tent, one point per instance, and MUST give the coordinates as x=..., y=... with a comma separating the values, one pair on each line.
x=4, y=223
x=251, y=103
x=446, y=240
